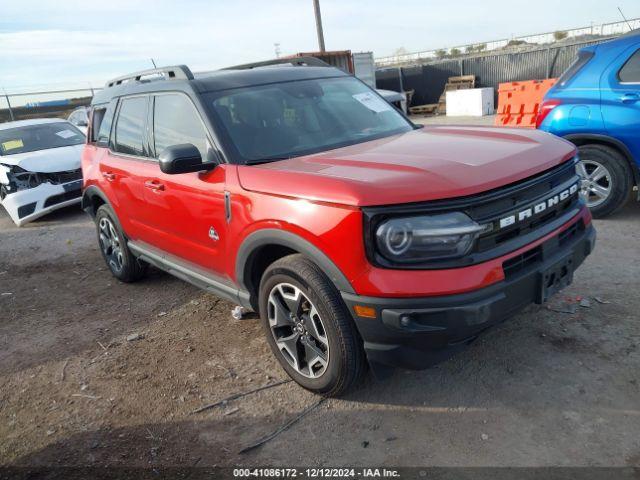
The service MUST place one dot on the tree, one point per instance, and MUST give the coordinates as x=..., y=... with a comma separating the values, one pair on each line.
x=515, y=43
x=455, y=52
x=481, y=47
x=441, y=53
x=560, y=35
x=399, y=51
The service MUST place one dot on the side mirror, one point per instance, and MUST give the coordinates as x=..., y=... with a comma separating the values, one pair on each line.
x=182, y=158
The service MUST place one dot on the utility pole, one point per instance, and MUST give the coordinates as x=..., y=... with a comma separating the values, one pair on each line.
x=316, y=8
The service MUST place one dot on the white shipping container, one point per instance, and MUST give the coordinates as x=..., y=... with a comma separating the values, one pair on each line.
x=364, y=67
x=472, y=102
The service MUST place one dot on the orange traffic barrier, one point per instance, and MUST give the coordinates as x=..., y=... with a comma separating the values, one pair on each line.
x=519, y=102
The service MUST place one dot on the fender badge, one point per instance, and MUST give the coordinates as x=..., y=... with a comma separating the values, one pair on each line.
x=213, y=235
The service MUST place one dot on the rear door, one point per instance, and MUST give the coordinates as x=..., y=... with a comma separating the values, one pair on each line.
x=620, y=90
x=186, y=211
x=126, y=163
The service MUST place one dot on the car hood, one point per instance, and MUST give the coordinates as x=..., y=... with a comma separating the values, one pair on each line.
x=52, y=160
x=426, y=164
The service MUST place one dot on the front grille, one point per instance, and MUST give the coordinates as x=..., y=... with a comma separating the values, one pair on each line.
x=62, y=177
x=490, y=209
x=498, y=235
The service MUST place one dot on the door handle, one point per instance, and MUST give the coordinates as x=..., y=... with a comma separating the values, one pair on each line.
x=629, y=98
x=154, y=185
x=108, y=176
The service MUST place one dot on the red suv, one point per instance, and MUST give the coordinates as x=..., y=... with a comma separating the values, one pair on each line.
x=361, y=239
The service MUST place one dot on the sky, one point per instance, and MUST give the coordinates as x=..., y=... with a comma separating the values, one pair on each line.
x=46, y=44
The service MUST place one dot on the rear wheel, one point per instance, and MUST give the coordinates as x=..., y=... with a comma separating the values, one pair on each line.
x=606, y=180
x=308, y=327
x=113, y=246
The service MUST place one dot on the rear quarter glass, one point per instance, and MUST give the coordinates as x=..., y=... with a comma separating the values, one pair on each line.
x=581, y=60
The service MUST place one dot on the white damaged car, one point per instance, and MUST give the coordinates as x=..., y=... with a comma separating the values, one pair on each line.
x=39, y=167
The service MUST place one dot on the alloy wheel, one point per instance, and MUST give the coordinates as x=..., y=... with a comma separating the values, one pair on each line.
x=110, y=244
x=595, y=182
x=298, y=330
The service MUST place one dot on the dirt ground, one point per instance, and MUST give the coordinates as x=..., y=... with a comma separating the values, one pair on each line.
x=546, y=388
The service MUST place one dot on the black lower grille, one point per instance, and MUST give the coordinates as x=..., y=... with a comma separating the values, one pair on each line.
x=570, y=233
x=62, y=197
x=546, y=250
x=522, y=261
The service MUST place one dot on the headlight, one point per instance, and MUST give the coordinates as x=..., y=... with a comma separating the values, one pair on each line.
x=428, y=237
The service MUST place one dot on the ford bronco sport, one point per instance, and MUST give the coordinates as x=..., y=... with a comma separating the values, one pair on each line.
x=299, y=193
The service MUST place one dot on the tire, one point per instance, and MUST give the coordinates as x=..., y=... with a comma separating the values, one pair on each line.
x=619, y=179
x=113, y=246
x=322, y=322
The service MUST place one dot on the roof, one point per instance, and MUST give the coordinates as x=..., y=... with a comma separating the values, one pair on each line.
x=26, y=123
x=620, y=42
x=218, y=80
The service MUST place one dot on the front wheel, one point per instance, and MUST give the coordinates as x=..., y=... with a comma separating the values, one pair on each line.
x=308, y=327
x=605, y=179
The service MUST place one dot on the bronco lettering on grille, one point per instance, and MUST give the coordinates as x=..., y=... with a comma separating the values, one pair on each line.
x=538, y=207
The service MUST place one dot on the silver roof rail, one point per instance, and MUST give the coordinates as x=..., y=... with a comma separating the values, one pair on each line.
x=177, y=72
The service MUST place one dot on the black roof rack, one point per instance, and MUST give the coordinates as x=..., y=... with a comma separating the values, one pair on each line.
x=295, y=61
x=179, y=72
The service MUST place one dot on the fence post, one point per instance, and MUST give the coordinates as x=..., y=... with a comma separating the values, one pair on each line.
x=461, y=67
x=548, y=70
x=6, y=96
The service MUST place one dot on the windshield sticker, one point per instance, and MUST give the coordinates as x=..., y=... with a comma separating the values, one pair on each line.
x=372, y=102
x=12, y=145
x=66, y=134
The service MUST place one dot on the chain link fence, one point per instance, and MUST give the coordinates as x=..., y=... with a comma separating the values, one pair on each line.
x=517, y=43
x=22, y=105
x=428, y=80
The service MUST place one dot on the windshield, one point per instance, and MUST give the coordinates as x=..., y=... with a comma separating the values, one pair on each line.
x=39, y=137
x=283, y=120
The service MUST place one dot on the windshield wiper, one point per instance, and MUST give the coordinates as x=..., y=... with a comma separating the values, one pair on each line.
x=258, y=161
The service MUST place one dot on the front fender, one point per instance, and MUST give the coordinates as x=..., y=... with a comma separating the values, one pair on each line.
x=272, y=236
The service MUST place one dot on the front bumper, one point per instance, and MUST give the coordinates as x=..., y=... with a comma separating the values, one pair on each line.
x=25, y=206
x=416, y=333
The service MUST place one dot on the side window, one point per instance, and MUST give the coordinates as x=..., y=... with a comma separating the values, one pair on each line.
x=630, y=72
x=177, y=121
x=101, y=124
x=130, y=132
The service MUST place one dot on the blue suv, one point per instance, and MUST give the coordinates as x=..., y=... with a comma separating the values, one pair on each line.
x=596, y=105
